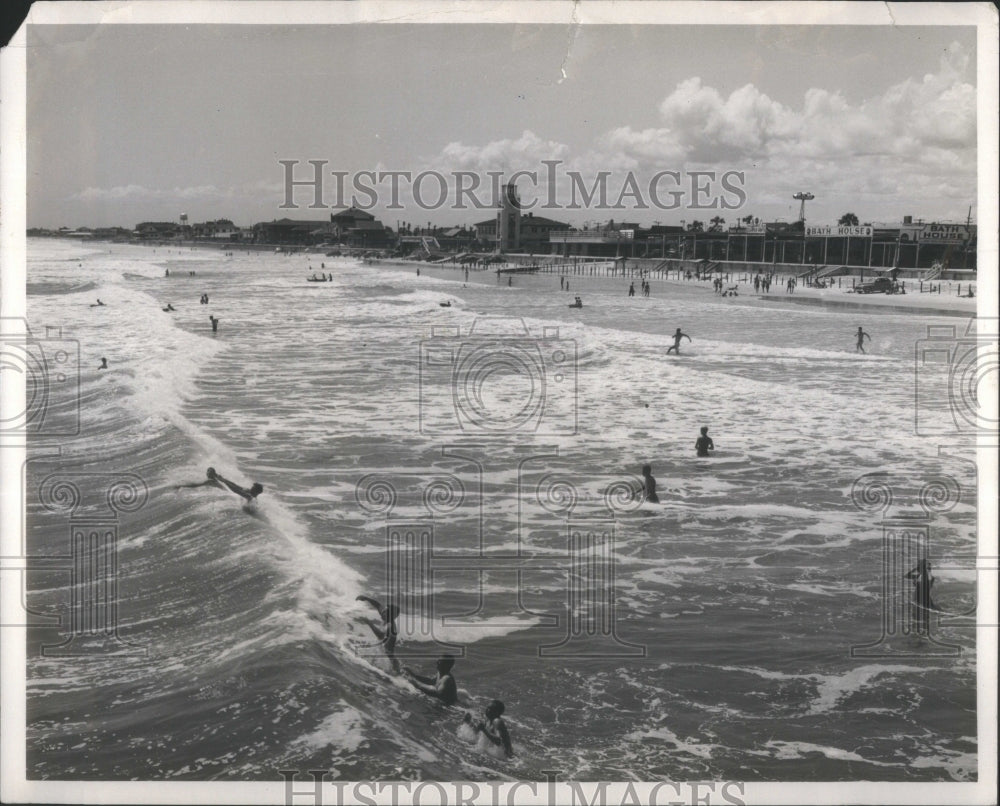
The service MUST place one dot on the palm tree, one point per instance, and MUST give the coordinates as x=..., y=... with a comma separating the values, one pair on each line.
x=717, y=223
x=747, y=220
x=696, y=226
x=848, y=220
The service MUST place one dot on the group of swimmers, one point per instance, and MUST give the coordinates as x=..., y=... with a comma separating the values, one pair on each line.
x=702, y=447
x=442, y=686
x=203, y=300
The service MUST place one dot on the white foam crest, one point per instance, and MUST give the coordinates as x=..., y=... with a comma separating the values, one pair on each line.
x=663, y=733
x=342, y=730
x=791, y=750
x=464, y=632
x=832, y=688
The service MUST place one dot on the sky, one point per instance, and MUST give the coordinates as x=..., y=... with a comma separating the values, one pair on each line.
x=131, y=123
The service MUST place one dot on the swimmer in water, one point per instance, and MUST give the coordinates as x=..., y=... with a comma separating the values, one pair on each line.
x=443, y=687
x=104, y=363
x=493, y=727
x=97, y=304
x=387, y=632
x=249, y=494
x=861, y=340
x=170, y=308
x=677, y=342
x=650, y=485
x=923, y=604
x=212, y=480
x=704, y=443
x=215, y=323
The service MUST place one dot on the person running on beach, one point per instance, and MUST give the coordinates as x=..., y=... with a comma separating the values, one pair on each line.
x=387, y=631
x=104, y=363
x=704, y=443
x=650, y=485
x=677, y=342
x=923, y=581
x=212, y=480
x=493, y=727
x=861, y=340
x=443, y=686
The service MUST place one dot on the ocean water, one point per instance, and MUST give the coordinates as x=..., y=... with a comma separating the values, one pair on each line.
x=721, y=648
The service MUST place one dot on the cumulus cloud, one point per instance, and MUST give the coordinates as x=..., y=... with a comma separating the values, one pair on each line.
x=916, y=140
x=528, y=149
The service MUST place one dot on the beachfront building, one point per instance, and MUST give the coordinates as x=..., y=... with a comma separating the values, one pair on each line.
x=291, y=232
x=486, y=232
x=157, y=230
x=907, y=245
x=512, y=231
x=358, y=229
x=221, y=229
x=351, y=227
x=456, y=239
x=535, y=231
x=602, y=240
x=503, y=232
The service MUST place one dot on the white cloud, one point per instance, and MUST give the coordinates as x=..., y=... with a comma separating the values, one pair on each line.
x=912, y=144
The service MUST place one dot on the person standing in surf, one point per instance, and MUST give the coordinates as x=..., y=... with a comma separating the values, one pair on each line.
x=704, y=443
x=649, y=485
x=923, y=581
x=676, y=348
x=442, y=687
x=861, y=340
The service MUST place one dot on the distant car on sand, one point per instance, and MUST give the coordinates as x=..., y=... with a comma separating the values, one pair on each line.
x=880, y=285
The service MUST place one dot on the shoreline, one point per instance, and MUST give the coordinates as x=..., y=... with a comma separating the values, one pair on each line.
x=954, y=307
x=857, y=304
